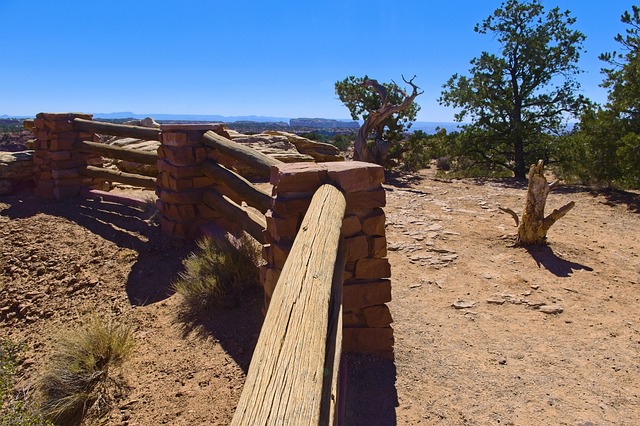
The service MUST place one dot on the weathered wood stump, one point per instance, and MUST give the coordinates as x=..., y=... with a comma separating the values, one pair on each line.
x=533, y=227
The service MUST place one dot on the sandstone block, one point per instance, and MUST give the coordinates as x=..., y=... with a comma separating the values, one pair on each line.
x=179, y=184
x=367, y=340
x=372, y=269
x=377, y=316
x=280, y=227
x=174, y=138
x=356, y=248
x=61, y=144
x=378, y=247
x=365, y=200
x=203, y=182
x=193, y=196
x=353, y=319
x=179, y=172
x=354, y=176
x=60, y=155
x=374, y=224
x=287, y=206
x=297, y=176
x=206, y=212
x=350, y=226
x=65, y=164
x=361, y=295
x=66, y=192
x=65, y=173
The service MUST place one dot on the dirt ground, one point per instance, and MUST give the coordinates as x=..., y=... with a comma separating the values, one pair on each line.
x=474, y=344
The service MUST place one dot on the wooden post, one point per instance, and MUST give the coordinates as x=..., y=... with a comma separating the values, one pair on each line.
x=287, y=373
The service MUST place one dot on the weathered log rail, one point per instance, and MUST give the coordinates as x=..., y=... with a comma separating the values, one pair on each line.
x=292, y=377
x=236, y=187
x=116, y=152
x=262, y=163
x=123, y=130
x=132, y=179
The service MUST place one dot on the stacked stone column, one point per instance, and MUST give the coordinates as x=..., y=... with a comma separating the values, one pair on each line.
x=180, y=182
x=367, y=288
x=56, y=164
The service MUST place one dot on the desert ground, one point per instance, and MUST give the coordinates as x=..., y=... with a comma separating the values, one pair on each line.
x=485, y=333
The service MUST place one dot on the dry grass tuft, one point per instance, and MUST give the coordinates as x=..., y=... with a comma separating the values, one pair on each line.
x=218, y=272
x=16, y=408
x=78, y=372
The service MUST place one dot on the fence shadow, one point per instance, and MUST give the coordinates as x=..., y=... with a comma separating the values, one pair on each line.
x=159, y=256
x=235, y=325
x=371, y=397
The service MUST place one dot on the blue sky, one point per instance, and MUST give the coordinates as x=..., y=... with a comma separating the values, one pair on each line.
x=273, y=58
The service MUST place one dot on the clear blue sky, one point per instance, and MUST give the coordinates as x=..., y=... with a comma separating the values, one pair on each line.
x=264, y=57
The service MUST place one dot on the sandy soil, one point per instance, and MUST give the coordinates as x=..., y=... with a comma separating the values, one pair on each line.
x=495, y=358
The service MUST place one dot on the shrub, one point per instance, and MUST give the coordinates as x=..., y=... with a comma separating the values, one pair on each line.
x=219, y=271
x=78, y=372
x=15, y=409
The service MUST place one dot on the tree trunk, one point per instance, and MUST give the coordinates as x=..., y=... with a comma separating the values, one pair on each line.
x=533, y=227
x=520, y=170
x=377, y=152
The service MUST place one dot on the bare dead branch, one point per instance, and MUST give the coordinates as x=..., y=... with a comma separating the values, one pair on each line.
x=557, y=214
x=512, y=213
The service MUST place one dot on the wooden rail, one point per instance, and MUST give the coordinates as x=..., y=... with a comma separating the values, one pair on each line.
x=236, y=187
x=117, y=152
x=252, y=223
x=291, y=376
x=260, y=162
x=121, y=177
x=123, y=130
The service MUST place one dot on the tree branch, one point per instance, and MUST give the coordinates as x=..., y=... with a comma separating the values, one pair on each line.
x=512, y=213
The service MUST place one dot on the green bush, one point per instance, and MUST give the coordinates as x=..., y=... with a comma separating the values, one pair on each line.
x=219, y=272
x=78, y=372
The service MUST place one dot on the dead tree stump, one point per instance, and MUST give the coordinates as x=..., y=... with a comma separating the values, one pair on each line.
x=533, y=227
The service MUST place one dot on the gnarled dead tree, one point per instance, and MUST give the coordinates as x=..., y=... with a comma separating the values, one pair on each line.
x=533, y=227
x=377, y=151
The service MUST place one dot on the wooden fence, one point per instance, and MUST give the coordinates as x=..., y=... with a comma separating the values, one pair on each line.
x=311, y=246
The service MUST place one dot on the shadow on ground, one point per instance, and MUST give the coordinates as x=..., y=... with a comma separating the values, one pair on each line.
x=371, y=398
x=235, y=324
x=546, y=258
x=159, y=257
x=619, y=197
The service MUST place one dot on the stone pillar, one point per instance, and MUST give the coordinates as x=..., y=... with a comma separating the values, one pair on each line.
x=56, y=164
x=367, y=288
x=180, y=182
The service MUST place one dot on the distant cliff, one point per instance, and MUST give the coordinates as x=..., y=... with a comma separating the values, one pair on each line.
x=323, y=123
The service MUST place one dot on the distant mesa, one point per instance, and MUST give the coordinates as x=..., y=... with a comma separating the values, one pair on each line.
x=323, y=123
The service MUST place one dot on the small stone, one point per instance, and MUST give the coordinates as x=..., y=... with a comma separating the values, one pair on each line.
x=534, y=286
x=495, y=301
x=551, y=309
x=502, y=361
x=462, y=304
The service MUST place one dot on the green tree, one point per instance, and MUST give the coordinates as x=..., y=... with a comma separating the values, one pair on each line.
x=605, y=147
x=387, y=111
x=517, y=98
